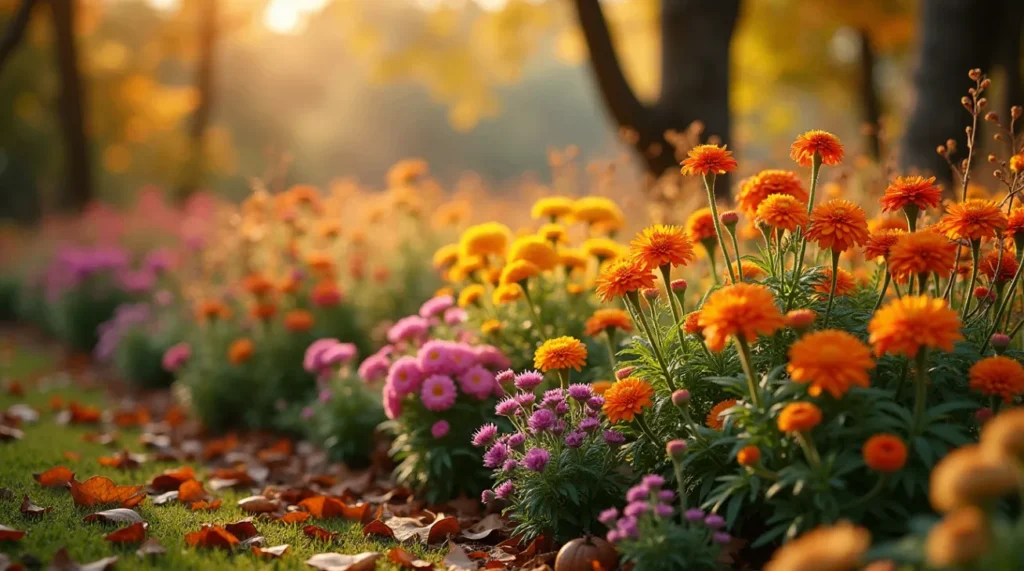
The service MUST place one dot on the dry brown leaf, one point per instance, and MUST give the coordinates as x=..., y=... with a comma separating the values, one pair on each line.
x=123, y=460
x=119, y=515
x=172, y=479
x=378, y=528
x=243, y=529
x=485, y=527
x=270, y=552
x=294, y=517
x=30, y=509
x=72, y=456
x=281, y=450
x=99, y=490
x=191, y=491
x=7, y=434
x=327, y=507
x=338, y=562
x=258, y=505
x=457, y=559
x=210, y=537
x=56, y=477
x=206, y=506
x=150, y=548
x=320, y=533
x=134, y=533
x=104, y=438
x=62, y=562
x=220, y=447
x=56, y=403
x=407, y=560
x=84, y=414
x=10, y=534
x=407, y=528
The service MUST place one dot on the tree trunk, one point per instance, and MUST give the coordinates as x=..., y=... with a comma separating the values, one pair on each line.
x=196, y=169
x=77, y=186
x=15, y=30
x=871, y=107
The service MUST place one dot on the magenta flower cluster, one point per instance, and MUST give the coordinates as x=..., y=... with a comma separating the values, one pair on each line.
x=650, y=505
x=323, y=355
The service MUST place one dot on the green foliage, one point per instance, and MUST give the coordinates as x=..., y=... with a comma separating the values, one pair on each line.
x=139, y=358
x=343, y=419
x=79, y=311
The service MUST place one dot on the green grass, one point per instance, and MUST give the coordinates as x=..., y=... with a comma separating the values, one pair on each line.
x=43, y=447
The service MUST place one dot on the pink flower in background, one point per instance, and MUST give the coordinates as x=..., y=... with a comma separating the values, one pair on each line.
x=477, y=381
x=440, y=429
x=409, y=328
x=491, y=357
x=455, y=316
x=436, y=306
x=392, y=403
x=438, y=393
x=337, y=354
x=436, y=357
x=375, y=367
x=312, y=361
x=176, y=356
x=405, y=376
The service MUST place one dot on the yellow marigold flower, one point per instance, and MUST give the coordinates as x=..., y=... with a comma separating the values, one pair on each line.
x=489, y=238
x=575, y=289
x=627, y=398
x=968, y=477
x=700, y=226
x=608, y=226
x=241, y=350
x=490, y=327
x=921, y=252
x=783, y=212
x=446, y=256
x=708, y=159
x=880, y=242
x=518, y=271
x=911, y=190
x=714, y=417
x=885, y=453
x=960, y=538
x=406, y=171
x=751, y=271
x=1015, y=222
x=595, y=209
x=821, y=143
x=554, y=233
x=837, y=548
x=328, y=229
x=1017, y=162
x=743, y=310
x=536, y=250
x=572, y=259
x=997, y=376
x=470, y=295
x=838, y=225
x=973, y=220
x=560, y=353
x=605, y=319
x=1002, y=438
x=623, y=276
x=799, y=417
x=450, y=214
x=552, y=207
x=830, y=360
x=603, y=248
x=661, y=245
x=506, y=293
x=1006, y=264
x=298, y=320
x=758, y=188
x=906, y=325
x=600, y=387
x=748, y=456
x=443, y=291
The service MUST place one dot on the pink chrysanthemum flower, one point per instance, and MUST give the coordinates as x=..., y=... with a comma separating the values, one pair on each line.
x=408, y=329
x=435, y=357
x=477, y=381
x=405, y=376
x=436, y=306
x=438, y=393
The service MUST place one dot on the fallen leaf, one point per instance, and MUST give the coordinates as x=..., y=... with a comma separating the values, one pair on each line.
x=407, y=560
x=134, y=533
x=254, y=541
x=172, y=479
x=15, y=389
x=442, y=529
x=191, y=491
x=56, y=403
x=119, y=515
x=99, y=490
x=327, y=507
x=485, y=527
x=165, y=498
x=7, y=434
x=243, y=529
x=57, y=477
x=83, y=414
x=138, y=416
x=220, y=447
x=318, y=533
x=62, y=562
x=270, y=552
x=206, y=506
x=294, y=517
x=175, y=416
x=258, y=504
x=281, y=450
x=30, y=509
x=407, y=528
x=72, y=456
x=10, y=534
x=378, y=528
x=150, y=548
x=123, y=460
x=23, y=412
x=457, y=559
x=338, y=562
x=103, y=438
x=211, y=536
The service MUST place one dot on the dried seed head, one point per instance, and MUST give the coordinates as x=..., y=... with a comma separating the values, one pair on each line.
x=992, y=159
x=998, y=137
x=966, y=102
x=992, y=116
x=982, y=102
x=974, y=74
x=941, y=150
x=1016, y=111
x=997, y=173
x=985, y=83
x=951, y=145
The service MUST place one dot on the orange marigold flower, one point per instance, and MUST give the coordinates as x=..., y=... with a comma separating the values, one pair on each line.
x=888, y=223
x=911, y=190
x=968, y=476
x=838, y=225
x=838, y=548
x=880, y=242
x=845, y=285
x=240, y=351
x=257, y=284
x=714, y=418
x=692, y=323
x=973, y=219
x=906, y=325
x=325, y=294
x=919, y=253
x=959, y=540
x=623, y=276
x=700, y=225
x=751, y=271
x=320, y=262
x=830, y=360
x=748, y=455
x=802, y=318
x=885, y=453
x=298, y=320
x=821, y=143
x=1015, y=222
x=560, y=353
x=213, y=309
x=604, y=319
x=506, y=293
x=783, y=212
x=759, y=187
x=661, y=245
x=708, y=159
x=1007, y=265
x=799, y=417
x=1017, y=162
x=601, y=387
x=263, y=310
x=997, y=376
x=627, y=398
x=518, y=271
x=744, y=310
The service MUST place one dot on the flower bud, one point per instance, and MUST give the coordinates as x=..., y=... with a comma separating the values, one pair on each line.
x=1016, y=111
x=1000, y=341
x=974, y=74
x=676, y=449
x=748, y=456
x=678, y=285
x=982, y=292
x=624, y=372
x=729, y=218
x=681, y=397
x=801, y=319
x=992, y=116
x=651, y=293
x=982, y=414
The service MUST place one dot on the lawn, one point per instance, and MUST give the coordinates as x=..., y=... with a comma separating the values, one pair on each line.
x=47, y=444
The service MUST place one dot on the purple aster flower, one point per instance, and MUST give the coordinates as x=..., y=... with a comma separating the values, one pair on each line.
x=562, y=408
x=505, y=376
x=487, y=496
x=529, y=380
x=159, y=260
x=477, y=381
x=714, y=521
x=436, y=357
x=627, y=527
x=694, y=515
x=491, y=357
x=536, y=459
x=653, y=481
x=541, y=420
x=638, y=493
x=552, y=397
x=666, y=495
x=485, y=435
x=438, y=393
x=663, y=510
x=575, y=439
x=592, y=413
x=436, y=305
x=176, y=356
x=496, y=456
x=612, y=536
x=580, y=391
x=595, y=402
x=614, y=438
x=405, y=375
x=516, y=440
x=510, y=464
x=589, y=424
x=440, y=429
x=721, y=538
x=455, y=316
x=504, y=490
x=408, y=329
x=558, y=427
x=506, y=406
x=526, y=399
x=636, y=509
x=608, y=516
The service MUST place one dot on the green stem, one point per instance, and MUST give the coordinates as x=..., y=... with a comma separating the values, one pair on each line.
x=647, y=431
x=736, y=246
x=709, y=185
x=975, y=250
x=677, y=310
x=809, y=449
x=885, y=287
x=610, y=342
x=874, y=491
x=778, y=249
x=815, y=167
x=633, y=300
x=677, y=468
x=744, y=353
x=1002, y=307
x=920, y=390
x=563, y=377
x=832, y=289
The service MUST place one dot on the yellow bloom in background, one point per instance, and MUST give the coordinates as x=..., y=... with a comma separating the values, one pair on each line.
x=741, y=310
x=968, y=477
x=1002, y=438
x=960, y=538
x=489, y=238
x=837, y=548
x=518, y=271
x=470, y=295
x=446, y=256
x=596, y=209
x=506, y=293
x=560, y=353
x=573, y=259
x=603, y=248
x=552, y=233
x=905, y=326
x=830, y=360
x=575, y=289
x=536, y=250
x=552, y=207
x=661, y=245
x=604, y=319
x=490, y=327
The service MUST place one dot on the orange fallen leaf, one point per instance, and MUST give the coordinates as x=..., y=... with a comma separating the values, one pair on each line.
x=327, y=507
x=378, y=528
x=340, y=562
x=56, y=403
x=294, y=517
x=99, y=490
x=281, y=450
x=138, y=416
x=10, y=534
x=134, y=533
x=72, y=456
x=123, y=460
x=217, y=448
x=29, y=508
x=104, y=438
x=56, y=477
x=407, y=560
x=243, y=529
x=15, y=389
x=211, y=536
x=84, y=414
x=175, y=416
x=318, y=533
x=191, y=491
x=172, y=479
x=257, y=505
x=443, y=529
x=206, y=506
x=270, y=552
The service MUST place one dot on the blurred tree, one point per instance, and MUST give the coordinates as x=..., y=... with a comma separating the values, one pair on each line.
x=77, y=184
x=15, y=30
x=204, y=82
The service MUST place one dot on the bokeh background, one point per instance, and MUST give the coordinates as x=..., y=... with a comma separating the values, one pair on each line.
x=209, y=94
